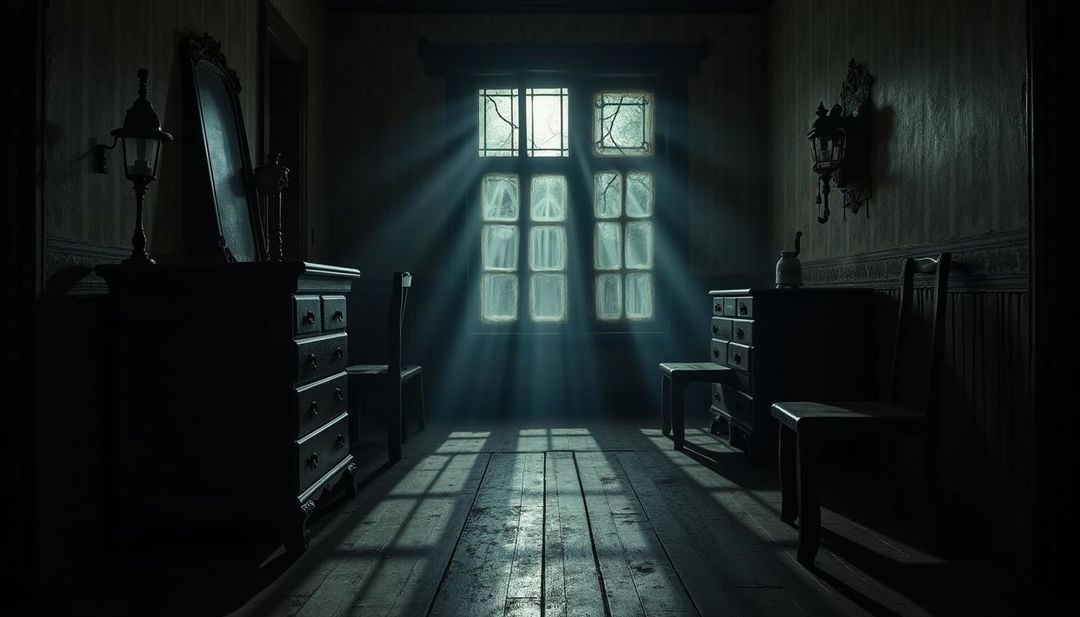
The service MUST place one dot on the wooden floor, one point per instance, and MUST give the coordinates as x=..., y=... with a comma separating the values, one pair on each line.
x=591, y=521
x=510, y=519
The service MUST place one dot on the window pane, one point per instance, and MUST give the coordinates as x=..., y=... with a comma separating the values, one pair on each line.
x=498, y=122
x=499, y=247
x=547, y=297
x=639, y=295
x=501, y=197
x=608, y=246
x=639, y=245
x=547, y=248
x=499, y=297
x=547, y=121
x=639, y=194
x=623, y=124
x=607, y=195
x=547, y=198
x=609, y=301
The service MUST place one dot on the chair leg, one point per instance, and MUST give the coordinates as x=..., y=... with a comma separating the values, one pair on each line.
x=809, y=507
x=393, y=424
x=678, y=418
x=403, y=416
x=665, y=405
x=422, y=411
x=789, y=496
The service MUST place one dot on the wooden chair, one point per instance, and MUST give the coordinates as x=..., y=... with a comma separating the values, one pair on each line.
x=393, y=377
x=674, y=378
x=807, y=427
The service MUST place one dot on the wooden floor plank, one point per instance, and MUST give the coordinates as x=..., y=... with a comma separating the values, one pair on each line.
x=571, y=580
x=526, y=576
x=478, y=576
x=616, y=516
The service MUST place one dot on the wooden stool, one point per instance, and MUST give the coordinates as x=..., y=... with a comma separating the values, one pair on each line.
x=675, y=376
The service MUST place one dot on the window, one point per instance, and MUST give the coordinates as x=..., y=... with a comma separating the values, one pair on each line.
x=529, y=205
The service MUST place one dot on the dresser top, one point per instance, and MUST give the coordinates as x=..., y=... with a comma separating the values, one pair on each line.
x=231, y=278
x=763, y=291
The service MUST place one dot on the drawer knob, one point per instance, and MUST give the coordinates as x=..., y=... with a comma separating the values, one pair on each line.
x=340, y=441
x=716, y=329
x=716, y=353
x=742, y=309
x=716, y=395
x=337, y=316
x=314, y=409
x=313, y=460
x=309, y=318
x=338, y=394
x=313, y=360
x=737, y=357
x=717, y=307
x=739, y=334
x=339, y=353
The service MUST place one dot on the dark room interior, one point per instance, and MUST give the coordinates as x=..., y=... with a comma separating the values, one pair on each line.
x=539, y=307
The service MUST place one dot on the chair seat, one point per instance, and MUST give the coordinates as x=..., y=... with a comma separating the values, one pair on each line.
x=380, y=371
x=695, y=371
x=800, y=414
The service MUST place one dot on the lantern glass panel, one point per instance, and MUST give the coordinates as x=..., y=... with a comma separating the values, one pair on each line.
x=140, y=156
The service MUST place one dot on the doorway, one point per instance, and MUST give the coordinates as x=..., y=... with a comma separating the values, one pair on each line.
x=284, y=130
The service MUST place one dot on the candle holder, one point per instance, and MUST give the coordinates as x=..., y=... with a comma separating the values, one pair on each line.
x=271, y=180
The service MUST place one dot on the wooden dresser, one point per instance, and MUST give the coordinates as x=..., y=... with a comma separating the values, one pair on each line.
x=787, y=345
x=230, y=395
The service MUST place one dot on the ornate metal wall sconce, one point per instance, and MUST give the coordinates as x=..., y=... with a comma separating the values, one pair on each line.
x=141, y=137
x=840, y=143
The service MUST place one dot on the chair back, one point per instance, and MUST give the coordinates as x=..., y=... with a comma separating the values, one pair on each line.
x=395, y=321
x=939, y=267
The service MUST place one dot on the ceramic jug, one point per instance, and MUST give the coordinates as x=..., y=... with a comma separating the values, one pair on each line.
x=788, y=267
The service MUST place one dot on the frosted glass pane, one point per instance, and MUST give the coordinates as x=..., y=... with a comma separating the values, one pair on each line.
x=499, y=247
x=547, y=248
x=547, y=121
x=639, y=245
x=547, y=198
x=499, y=297
x=497, y=122
x=547, y=297
x=639, y=194
x=607, y=195
x=623, y=124
x=607, y=246
x=501, y=197
x=639, y=295
x=609, y=302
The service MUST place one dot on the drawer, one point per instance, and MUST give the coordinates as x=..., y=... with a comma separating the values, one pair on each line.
x=318, y=452
x=307, y=314
x=738, y=356
x=742, y=331
x=319, y=402
x=744, y=308
x=718, y=351
x=721, y=328
x=729, y=307
x=333, y=313
x=320, y=356
x=734, y=403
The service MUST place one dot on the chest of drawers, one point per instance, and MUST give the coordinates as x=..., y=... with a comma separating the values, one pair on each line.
x=785, y=345
x=230, y=395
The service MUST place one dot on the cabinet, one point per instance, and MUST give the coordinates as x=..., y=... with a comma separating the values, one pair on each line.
x=229, y=395
x=788, y=345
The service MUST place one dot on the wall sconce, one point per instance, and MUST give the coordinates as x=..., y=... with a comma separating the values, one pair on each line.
x=271, y=180
x=840, y=143
x=141, y=138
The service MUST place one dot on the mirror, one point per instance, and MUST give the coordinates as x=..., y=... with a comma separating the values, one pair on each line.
x=223, y=151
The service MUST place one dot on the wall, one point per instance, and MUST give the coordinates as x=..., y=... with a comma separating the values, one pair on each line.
x=92, y=52
x=949, y=172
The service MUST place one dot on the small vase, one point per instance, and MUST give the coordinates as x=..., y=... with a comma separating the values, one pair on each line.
x=788, y=267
